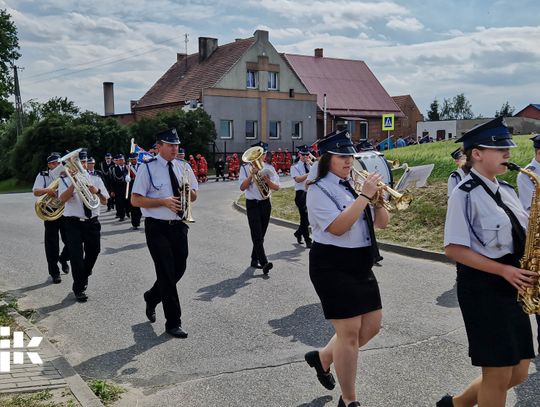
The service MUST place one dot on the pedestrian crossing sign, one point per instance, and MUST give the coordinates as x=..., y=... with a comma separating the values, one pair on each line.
x=388, y=121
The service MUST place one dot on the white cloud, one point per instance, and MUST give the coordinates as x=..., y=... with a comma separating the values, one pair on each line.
x=405, y=24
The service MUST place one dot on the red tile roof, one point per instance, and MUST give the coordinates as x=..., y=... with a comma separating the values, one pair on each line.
x=178, y=84
x=350, y=86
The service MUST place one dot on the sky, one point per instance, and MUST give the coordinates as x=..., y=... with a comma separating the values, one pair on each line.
x=487, y=49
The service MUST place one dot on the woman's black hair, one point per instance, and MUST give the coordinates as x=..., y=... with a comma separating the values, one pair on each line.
x=323, y=168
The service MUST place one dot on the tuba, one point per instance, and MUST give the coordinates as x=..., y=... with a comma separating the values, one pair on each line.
x=253, y=156
x=530, y=297
x=50, y=207
x=400, y=200
x=75, y=172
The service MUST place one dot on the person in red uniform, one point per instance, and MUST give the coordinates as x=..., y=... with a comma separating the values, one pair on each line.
x=203, y=168
x=288, y=161
x=194, y=166
x=235, y=162
x=274, y=161
x=230, y=167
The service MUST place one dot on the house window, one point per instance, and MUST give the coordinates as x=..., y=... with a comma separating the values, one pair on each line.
x=226, y=129
x=252, y=129
x=297, y=130
x=274, y=130
x=364, y=130
x=273, y=80
x=252, y=81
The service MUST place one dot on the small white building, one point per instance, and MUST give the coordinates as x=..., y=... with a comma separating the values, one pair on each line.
x=437, y=130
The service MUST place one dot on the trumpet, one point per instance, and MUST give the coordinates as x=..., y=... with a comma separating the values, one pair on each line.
x=50, y=207
x=394, y=164
x=75, y=172
x=400, y=200
x=185, y=196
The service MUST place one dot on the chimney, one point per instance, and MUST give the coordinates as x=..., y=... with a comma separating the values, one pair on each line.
x=261, y=35
x=206, y=47
x=180, y=56
x=318, y=52
x=108, y=97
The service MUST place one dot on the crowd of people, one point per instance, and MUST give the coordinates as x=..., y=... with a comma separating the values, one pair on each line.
x=485, y=234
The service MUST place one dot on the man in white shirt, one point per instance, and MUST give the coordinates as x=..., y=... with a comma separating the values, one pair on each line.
x=300, y=172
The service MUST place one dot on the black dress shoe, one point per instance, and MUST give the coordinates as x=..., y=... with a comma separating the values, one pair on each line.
x=65, y=267
x=150, y=311
x=325, y=377
x=81, y=297
x=298, y=236
x=446, y=401
x=177, y=332
x=267, y=267
x=56, y=279
x=341, y=403
x=255, y=265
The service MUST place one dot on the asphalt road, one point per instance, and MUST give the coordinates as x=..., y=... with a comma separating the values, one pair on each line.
x=247, y=333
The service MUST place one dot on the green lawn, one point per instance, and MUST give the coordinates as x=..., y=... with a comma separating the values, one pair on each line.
x=13, y=185
x=422, y=224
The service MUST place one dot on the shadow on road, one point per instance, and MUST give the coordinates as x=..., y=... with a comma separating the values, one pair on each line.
x=449, y=299
x=108, y=365
x=17, y=292
x=288, y=255
x=227, y=288
x=318, y=402
x=68, y=300
x=135, y=246
x=528, y=394
x=306, y=324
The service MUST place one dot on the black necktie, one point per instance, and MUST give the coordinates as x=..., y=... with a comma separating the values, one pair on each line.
x=518, y=233
x=306, y=168
x=369, y=220
x=174, y=183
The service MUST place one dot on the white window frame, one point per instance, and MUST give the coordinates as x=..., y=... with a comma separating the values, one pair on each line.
x=300, y=132
x=278, y=130
x=255, y=79
x=273, y=77
x=231, y=129
x=255, y=130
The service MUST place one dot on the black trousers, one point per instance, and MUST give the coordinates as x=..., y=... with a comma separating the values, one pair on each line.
x=258, y=214
x=168, y=246
x=219, y=173
x=136, y=216
x=121, y=202
x=52, y=245
x=83, y=241
x=300, y=201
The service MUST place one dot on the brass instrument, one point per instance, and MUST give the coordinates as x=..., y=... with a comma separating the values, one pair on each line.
x=75, y=171
x=49, y=207
x=530, y=297
x=185, y=196
x=311, y=159
x=400, y=200
x=394, y=164
x=253, y=156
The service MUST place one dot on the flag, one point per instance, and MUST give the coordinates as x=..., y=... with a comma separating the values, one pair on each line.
x=143, y=155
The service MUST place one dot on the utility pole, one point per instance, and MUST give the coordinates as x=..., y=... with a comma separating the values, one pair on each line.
x=18, y=103
x=186, y=39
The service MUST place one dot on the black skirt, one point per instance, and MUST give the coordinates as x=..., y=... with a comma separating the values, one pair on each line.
x=498, y=330
x=343, y=280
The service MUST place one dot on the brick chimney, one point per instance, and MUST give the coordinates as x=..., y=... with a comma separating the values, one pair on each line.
x=318, y=52
x=180, y=56
x=261, y=35
x=206, y=47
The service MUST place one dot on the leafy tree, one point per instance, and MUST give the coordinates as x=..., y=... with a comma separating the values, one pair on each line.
x=447, y=110
x=9, y=46
x=433, y=112
x=462, y=107
x=506, y=110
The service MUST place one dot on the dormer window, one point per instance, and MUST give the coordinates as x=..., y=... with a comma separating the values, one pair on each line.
x=252, y=80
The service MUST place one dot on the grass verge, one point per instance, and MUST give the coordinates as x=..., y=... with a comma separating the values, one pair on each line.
x=14, y=185
x=106, y=391
x=44, y=398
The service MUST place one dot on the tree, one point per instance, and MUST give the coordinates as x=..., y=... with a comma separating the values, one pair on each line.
x=9, y=46
x=462, y=107
x=447, y=110
x=433, y=112
x=506, y=110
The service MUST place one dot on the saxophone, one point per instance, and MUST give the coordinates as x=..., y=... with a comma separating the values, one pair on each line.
x=530, y=297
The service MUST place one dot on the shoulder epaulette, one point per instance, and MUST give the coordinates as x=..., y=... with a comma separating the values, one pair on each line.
x=501, y=182
x=531, y=167
x=455, y=174
x=469, y=185
x=150, y=160
x=44, y=173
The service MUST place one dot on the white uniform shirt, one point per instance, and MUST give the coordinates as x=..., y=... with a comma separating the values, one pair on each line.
x=74, y=205
x=486, y=218
x=297, y=170
x=454, y=180
x=153, y=181
x=43, y=180
x=322, y=211
x=252, y=192
x=526, y=186
x=313, y=172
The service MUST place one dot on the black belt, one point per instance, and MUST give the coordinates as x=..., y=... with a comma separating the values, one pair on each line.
x=166, y=222
x=94, y=219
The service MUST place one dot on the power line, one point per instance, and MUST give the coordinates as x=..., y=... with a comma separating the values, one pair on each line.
x=75, y=71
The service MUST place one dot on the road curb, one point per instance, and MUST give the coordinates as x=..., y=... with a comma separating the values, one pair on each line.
x=76, y=384
x=390, y=247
